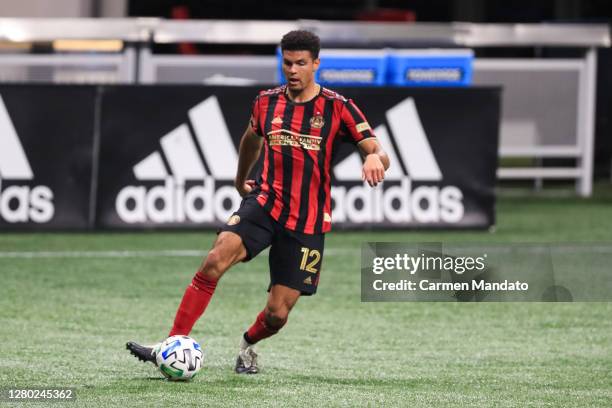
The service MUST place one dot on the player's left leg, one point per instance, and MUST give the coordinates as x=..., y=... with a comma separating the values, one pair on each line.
x=295, y=264
x=281, y=300
x=227, y=250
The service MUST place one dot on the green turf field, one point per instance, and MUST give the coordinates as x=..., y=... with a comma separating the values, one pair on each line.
x=69, y=302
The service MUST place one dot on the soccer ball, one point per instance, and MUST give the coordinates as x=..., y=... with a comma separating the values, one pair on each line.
x=179, y=358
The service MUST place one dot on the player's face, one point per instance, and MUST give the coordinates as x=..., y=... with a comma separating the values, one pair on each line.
x=299, y=68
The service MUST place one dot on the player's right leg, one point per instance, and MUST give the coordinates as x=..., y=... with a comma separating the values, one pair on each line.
x=248, y=232
x=227, y=250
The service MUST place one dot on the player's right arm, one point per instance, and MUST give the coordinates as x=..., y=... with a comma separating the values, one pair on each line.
x=248, y=153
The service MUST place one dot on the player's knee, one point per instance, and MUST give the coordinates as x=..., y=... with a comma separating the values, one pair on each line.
x=276, y=317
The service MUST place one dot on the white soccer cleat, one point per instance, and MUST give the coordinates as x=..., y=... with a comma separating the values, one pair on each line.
x=246, y=363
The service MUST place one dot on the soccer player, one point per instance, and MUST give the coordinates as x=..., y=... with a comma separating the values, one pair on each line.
x=289, y=208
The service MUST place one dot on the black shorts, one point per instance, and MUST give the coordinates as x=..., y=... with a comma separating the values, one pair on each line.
x=295, y=258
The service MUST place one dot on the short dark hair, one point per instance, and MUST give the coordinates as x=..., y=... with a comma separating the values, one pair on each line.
x=301, y=40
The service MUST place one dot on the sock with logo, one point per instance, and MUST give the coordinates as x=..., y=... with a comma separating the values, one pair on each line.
x=194, y=302
x=260, y=330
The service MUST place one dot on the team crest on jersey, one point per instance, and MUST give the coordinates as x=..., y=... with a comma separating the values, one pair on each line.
x=317, y=122
x=276, y=120
x=233, y=220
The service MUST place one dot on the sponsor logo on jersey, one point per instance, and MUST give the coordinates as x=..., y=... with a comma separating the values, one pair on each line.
x=22, y=201
x=283, y=137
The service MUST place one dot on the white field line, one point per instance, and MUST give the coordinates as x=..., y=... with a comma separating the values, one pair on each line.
x=356, y=251
x=102, y=254
x=178, y=253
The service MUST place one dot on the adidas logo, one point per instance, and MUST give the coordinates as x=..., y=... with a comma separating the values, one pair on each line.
x=398, y=203
x=190, y=190
x=19, y=203
x=185, y=155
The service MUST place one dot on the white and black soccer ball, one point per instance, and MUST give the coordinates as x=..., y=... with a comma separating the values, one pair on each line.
x=179, y=358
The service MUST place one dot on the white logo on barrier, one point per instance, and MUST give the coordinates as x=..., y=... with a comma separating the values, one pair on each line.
x=172, y=202
x=19, y=203
x=401, y=203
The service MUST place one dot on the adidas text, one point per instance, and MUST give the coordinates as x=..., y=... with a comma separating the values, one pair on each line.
x=398, y=203
x=19, y=203
x=23, y=204
x=171, y=202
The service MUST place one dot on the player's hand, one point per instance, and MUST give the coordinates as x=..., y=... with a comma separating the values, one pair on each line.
x=373, y=170
x=245, y=187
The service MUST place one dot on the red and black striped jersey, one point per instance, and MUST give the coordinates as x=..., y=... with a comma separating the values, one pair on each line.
x=294, y=186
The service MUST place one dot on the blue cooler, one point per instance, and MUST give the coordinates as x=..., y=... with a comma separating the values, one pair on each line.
x=346, y=67
x=430, y=67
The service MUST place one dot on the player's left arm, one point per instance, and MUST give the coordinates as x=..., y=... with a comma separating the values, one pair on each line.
x=375, y=160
